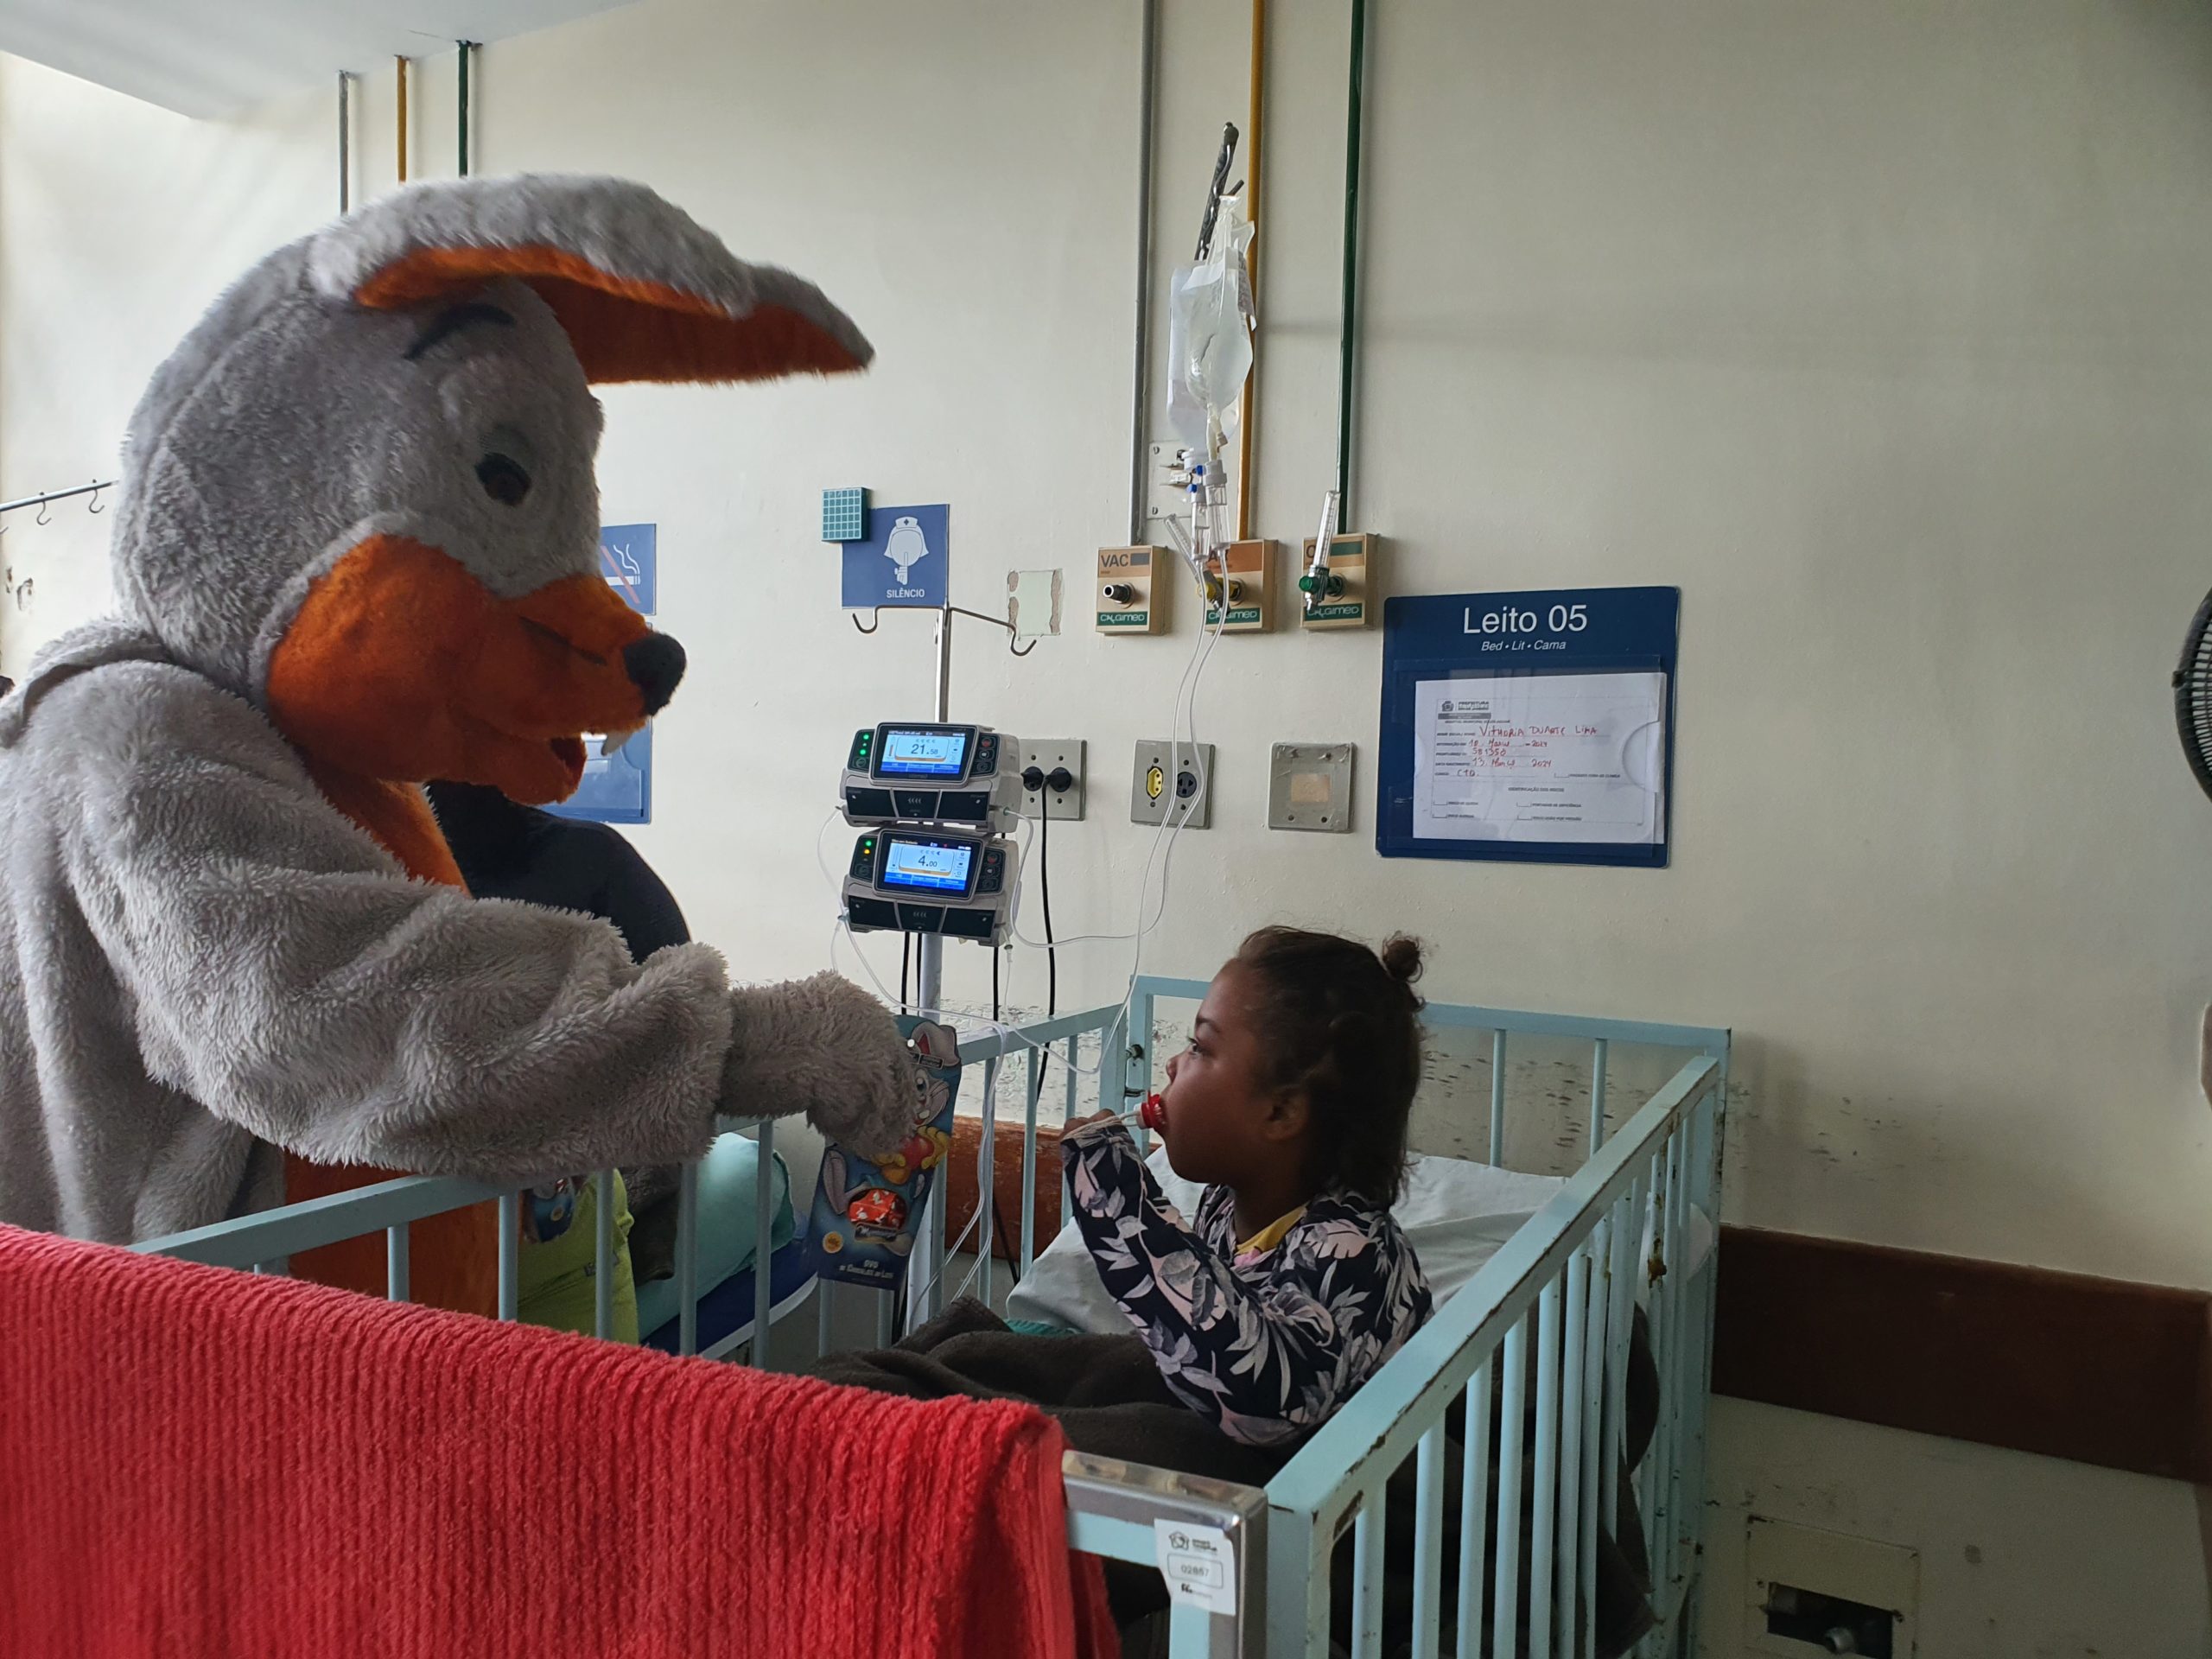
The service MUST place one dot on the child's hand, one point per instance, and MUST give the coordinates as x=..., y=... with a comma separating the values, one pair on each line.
x=1077, y=1125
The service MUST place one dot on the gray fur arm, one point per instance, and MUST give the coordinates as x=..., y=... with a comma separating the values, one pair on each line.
x=824, y=1047
x=287, y=976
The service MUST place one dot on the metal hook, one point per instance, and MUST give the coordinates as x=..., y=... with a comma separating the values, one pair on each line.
x=875, y=613
x=93, y=505
x=42, y=518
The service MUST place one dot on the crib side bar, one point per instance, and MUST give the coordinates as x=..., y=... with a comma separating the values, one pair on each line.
x=1121, y=1511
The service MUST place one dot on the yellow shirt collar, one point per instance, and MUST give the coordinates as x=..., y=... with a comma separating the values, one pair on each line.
x=1271, y=1234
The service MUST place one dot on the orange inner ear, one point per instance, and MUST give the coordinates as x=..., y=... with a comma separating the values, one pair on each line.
x=622, y=328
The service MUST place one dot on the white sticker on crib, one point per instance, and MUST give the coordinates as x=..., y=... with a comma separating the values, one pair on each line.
x=1199, y=1564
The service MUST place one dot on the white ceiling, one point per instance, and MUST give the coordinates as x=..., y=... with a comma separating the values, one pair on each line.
x=215, y=57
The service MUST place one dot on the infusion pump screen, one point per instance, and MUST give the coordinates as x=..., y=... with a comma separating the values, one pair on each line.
x=927, y=865
x=923, y=754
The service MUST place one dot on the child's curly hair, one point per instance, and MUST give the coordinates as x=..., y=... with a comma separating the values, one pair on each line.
x=1340, y=1024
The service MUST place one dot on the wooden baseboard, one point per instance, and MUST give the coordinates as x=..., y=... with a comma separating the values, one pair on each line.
x=2097, y=1371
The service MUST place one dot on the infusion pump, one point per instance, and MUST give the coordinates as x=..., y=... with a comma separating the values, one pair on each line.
x=934, y=803
x=914, y=878
x=910, y=773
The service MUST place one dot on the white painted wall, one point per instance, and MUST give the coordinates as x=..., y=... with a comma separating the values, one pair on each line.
x=1877, y=328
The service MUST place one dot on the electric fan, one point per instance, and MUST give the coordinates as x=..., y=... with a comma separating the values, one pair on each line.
x=2193, y=696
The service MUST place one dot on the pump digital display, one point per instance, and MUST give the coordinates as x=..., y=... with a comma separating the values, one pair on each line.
x=908, y=752
x=927, y=865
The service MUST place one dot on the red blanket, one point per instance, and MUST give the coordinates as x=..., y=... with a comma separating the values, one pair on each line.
x=211, y=1466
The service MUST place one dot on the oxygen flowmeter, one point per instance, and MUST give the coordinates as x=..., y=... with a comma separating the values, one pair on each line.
x=934, y=802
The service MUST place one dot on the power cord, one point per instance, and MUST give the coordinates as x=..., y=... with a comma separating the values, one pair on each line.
x=1058, y=781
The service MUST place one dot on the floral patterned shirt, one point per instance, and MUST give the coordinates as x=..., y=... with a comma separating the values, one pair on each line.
x=1267, y=1343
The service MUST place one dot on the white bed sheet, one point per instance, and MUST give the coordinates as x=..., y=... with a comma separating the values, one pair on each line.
x=1455, y=1213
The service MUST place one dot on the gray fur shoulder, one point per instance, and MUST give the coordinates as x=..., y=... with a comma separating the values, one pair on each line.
x=97, y=644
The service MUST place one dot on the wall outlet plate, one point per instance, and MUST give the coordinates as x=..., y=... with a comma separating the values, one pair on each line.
x=1045, y=754
x=1829, y=1563
x=1309, y=787
x=1351, y=560
x=1248, y=568
x=1131, y=590
x=1172, y=783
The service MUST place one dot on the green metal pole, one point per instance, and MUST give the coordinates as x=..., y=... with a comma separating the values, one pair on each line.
x=1348, y=326
x=466, y=47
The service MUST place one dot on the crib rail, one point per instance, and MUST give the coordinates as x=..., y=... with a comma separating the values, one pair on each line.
x=1541, y=1334
x=1558, y=1293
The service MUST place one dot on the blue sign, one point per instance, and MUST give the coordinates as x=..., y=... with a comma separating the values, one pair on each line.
x=627, y=560
x=617, y=788
x=1536, y=727
x=903, y=560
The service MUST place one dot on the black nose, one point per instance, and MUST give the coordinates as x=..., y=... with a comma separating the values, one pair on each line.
x=655, y=665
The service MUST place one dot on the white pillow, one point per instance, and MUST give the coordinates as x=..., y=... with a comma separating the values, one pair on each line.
x=1455, y=1214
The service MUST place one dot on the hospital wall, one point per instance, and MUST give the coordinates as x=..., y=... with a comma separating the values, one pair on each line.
x=1877, y=328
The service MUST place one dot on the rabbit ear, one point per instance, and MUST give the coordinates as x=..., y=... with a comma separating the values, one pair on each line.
x=643, y=292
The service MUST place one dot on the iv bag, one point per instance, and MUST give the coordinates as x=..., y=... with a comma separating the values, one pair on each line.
x=1210, y=332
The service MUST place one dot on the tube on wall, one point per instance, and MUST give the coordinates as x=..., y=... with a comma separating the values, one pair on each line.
x=1147, y=53
x=1348, y=325
x=345, y=142
x=1251, y=396
x=467, y=48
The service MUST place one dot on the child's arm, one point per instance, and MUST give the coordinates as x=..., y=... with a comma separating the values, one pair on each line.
x=1264, y=1364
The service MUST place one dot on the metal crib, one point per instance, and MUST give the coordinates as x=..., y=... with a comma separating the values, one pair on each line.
x=1563, y=1289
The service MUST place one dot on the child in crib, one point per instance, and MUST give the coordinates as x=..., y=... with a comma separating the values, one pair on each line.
x=1292, y=1284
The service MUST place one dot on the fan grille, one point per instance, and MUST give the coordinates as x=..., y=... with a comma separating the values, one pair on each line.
x=2193, y=696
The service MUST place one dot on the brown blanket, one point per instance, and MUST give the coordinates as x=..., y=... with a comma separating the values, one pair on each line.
x=1109, y=1401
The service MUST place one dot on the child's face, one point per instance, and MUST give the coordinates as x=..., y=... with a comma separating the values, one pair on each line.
x=1223, y=1124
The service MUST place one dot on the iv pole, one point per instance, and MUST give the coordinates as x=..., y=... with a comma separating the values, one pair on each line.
x=928, y=1257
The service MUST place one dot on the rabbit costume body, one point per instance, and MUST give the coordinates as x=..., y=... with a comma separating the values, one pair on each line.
x=357, y=550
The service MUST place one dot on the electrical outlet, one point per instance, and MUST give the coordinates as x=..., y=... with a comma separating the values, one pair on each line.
x=1172, y=783
x=1806, y=1588
x=1350, y=601
x=1045, y=754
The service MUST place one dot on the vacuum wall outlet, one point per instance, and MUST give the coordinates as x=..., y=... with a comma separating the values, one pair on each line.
x=1247, y=571
x=1047, y=753
x=1309, y=787
x=1351, y=598
x=1131, y=594
x=1172, y=783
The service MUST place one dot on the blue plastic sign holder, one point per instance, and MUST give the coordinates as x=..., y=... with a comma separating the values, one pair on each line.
x=619, y=788
x=902, y=562
x=844, y=515
x=627, y=558
x=1464, y=772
